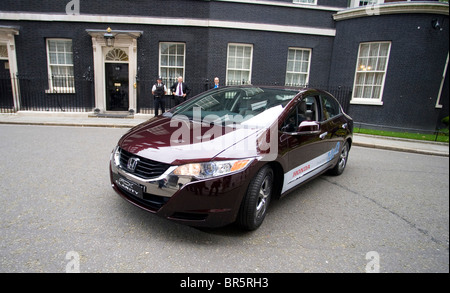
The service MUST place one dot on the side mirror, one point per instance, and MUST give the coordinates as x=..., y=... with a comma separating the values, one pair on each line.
x=308, y=127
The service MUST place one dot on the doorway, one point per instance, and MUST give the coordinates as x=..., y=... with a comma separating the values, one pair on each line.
x=117, y=86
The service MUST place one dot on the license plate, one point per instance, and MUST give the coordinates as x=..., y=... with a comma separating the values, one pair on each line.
x=130, y=186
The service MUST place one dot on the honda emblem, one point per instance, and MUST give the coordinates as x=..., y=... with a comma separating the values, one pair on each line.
x=132, y=164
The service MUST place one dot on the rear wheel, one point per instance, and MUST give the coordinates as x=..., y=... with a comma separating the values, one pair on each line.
x=256, y=201
x=342, y=162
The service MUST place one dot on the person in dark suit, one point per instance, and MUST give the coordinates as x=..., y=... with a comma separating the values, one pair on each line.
x=180, y=91
x=158, y=91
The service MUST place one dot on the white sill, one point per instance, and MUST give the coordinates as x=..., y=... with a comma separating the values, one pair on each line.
x=61, y=91
x=366, y=102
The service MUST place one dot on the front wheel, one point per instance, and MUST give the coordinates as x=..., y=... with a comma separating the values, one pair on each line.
x=256, y=201
x=342, y=162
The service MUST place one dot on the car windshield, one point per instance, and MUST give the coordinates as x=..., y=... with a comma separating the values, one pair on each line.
x=255, y=106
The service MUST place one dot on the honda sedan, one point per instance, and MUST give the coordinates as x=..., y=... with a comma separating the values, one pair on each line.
x=222, y=156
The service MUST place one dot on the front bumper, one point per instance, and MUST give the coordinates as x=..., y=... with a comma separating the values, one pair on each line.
x=212, y=202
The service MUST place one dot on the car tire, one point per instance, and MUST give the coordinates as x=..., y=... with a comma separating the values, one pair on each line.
x=342, y=161
x=256, y=201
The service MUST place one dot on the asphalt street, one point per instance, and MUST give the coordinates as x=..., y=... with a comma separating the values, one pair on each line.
x=57, y=207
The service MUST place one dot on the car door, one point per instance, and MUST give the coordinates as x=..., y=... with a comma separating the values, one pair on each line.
x=303, y=142
x=333, y=125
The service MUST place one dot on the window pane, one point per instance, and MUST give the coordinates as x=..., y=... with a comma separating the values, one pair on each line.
x=360, y=78
x=164, y=48
x=374, y=49
x=247, y=63
x=290, y=66
x=232, y=62
x=291, y=54
x=180, y=49
x=363, y=63
x=384, y=49
x=164, y=60
x=248, y=52
x=172, y=60
x=364, y=52
x=367, y=92
x=306, y=56
x=51, y=46
x=304, y=67
x=297, y=66
x=358, y=91
x=372, y=64
x=381, y=64
x=379, y=78
x=232, y=51
x=172, y=50
x=370, y=78
x=376, y=92
x=240, y=51
x=53, y=59
x=239, y=63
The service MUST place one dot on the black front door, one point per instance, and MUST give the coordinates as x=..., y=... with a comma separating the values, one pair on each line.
x=6, y=95
x=116, y=75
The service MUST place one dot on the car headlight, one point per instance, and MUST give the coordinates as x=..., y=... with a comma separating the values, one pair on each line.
x=116, y=156
x=211, y=169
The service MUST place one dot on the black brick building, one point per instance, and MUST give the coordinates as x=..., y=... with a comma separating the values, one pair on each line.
x=387, y=63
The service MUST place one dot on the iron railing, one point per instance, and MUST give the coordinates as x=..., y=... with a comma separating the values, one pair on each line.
x=73, y=94
x=53, y=94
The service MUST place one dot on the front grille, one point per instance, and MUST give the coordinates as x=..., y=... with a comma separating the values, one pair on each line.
x=146, y=169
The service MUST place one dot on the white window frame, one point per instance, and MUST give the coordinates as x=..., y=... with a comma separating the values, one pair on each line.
x=359, y=70
x=307, y=2
x=70, y=79
x=167, y=79
x=307, y=73
x=249, y=70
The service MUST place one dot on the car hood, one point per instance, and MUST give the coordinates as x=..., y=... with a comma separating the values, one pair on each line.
x=179, y=141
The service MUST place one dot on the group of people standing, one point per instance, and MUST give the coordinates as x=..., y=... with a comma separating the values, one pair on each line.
x=179, y=89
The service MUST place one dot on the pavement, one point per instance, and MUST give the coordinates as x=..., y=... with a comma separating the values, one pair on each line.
x=90, y=120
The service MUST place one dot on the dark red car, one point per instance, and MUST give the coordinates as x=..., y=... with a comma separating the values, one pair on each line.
x=221, y=156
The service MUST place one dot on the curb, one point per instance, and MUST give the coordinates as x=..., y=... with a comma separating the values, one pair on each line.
x=68, y=124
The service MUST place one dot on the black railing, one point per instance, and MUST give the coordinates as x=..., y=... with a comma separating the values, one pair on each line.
x=54, y=94
x=72, y=94
x=6, y=95
x=146, y=101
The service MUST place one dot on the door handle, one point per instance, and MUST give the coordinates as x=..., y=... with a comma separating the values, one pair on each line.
x=323, y=135
x=344, y=126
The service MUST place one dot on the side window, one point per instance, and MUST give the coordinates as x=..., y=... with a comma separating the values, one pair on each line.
x=330, y=107
x=306, y=110
x=311, y=112
x=291, y=122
